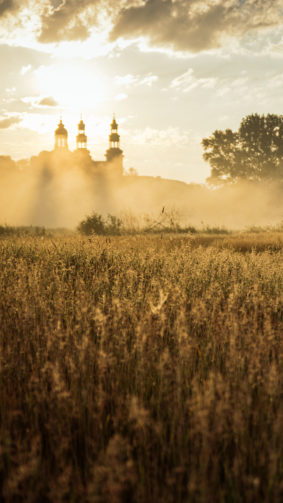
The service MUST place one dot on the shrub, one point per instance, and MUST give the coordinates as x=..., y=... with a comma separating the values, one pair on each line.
x=95, y=224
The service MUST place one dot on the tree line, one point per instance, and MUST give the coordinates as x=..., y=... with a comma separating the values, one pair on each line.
x=254, y=152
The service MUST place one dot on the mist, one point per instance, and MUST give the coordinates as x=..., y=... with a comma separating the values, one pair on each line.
x=56, y=190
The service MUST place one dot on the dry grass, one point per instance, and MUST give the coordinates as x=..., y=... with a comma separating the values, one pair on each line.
x=141, y=369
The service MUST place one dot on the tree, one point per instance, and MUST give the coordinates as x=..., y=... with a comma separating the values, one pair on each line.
x=254, y=152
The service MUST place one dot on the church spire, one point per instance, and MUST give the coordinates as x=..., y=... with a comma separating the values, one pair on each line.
x=114, y=137
x=114, y=154
x=81, y=137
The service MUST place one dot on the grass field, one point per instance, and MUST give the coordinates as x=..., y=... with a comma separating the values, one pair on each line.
x=141, y=369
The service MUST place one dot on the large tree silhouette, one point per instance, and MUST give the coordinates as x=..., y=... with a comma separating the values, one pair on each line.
x=254, y=152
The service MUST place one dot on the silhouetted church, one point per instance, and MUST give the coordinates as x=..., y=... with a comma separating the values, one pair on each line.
x=114, y=154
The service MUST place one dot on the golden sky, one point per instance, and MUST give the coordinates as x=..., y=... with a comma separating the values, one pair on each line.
x=173, y=71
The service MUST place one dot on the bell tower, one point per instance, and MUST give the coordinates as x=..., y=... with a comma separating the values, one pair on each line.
x=114, y=152
x=81, y=137
x=61, y=137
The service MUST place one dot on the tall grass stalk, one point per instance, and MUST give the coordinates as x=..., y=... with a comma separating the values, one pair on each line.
x=141, y=369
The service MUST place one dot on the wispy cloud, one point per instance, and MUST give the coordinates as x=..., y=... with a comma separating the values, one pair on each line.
x=10, y=121
x=130, y=80
x=25, y=69
x=188, y=81
x=168, y=137
x=121, y=97
x=48, y=101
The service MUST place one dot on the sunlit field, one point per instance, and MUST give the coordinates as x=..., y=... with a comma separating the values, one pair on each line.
x=141, y=368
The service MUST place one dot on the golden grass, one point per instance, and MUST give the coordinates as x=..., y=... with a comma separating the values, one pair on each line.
x=141, y=369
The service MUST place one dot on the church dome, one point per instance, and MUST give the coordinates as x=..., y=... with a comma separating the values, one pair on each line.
x=61, y=130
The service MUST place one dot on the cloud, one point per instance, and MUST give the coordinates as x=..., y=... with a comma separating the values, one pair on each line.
x=6, y=6
x=121, y=97
x=195, y=25
x=170, y=137
x=25, y=69
x=9, y=121
x=36, y=102
x=182, y=25
x=69, y=20
x=130, y=80
x=14, y=6
x=49, y=101
x=187, y=82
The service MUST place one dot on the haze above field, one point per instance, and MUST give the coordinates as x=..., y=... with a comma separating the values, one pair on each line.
x=173, y=71
x=56, y=191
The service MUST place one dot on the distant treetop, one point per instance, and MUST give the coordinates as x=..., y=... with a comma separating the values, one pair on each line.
x=254, y=152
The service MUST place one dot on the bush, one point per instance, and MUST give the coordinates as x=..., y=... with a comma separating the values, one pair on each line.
x=95, y=224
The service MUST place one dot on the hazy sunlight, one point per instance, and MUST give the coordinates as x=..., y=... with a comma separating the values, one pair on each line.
x=72, y=85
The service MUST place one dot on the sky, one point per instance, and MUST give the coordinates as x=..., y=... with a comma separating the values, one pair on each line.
x=173, y=71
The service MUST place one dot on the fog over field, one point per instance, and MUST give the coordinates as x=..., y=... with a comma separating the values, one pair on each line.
x=54, y=192
x=141, y=251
